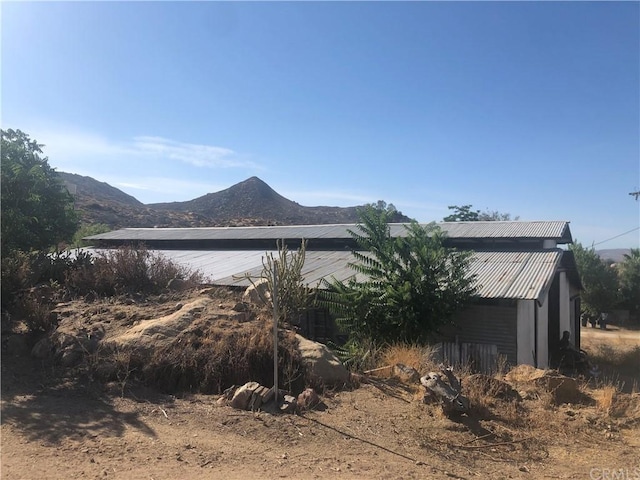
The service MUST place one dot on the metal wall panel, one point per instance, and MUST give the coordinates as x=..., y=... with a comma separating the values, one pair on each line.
x=490, y=325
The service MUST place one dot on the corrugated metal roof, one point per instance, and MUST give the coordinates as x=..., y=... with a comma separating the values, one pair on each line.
x=499, y=274
x=557, y=230
x=515, y=275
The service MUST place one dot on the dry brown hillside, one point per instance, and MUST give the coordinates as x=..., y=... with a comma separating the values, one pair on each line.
x=251, y=202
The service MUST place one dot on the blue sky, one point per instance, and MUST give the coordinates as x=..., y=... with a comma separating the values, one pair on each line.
x=527, y=108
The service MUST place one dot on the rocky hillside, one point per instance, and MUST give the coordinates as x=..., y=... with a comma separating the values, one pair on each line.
x=251, y=202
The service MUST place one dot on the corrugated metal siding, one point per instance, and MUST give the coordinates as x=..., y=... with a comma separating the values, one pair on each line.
x=557, y=230
x=480, y=357
x=490, y=325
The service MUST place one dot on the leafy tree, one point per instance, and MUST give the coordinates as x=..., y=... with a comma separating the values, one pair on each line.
x=462, y=214
x=495, y=216
x=37, y=211
x=599, y=280
x=629, y=281
x=404, y=288
x=465, y=213
x=394, y=215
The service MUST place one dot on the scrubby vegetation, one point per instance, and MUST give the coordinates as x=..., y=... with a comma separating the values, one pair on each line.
x=33, y=282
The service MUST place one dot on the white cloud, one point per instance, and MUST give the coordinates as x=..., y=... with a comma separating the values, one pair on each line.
x=192, y=153
x=67, y=146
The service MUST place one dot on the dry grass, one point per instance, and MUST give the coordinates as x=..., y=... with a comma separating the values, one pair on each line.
x=605, y=398
x=209, y=360
x=420, y=357
x=616, y=353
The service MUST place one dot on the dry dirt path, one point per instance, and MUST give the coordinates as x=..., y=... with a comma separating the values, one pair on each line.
x=63, y=430
x=612, y=333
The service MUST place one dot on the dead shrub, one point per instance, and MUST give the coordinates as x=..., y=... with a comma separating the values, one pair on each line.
x=492, y=398
x=209, y=361
x=35, y=311
x=420, y=357
x=129, y=270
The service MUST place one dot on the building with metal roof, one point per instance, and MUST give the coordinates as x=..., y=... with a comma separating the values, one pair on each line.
x=527, y=287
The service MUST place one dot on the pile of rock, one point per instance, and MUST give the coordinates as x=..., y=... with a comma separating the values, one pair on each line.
x=255, y=397
x=529, y=381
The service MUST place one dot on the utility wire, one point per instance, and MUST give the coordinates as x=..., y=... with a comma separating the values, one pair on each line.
x=608, y=239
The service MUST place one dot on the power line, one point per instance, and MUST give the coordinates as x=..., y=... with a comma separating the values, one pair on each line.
x=603, y=241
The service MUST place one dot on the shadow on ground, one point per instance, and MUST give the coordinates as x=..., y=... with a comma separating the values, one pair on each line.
x=50, y=407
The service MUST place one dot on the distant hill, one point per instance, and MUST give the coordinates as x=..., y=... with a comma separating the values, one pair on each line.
x=251, y=202
x=614, y=254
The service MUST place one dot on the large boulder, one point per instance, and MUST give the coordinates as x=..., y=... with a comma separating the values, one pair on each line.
x=243, y=395
x=257, y=293
x=322, y=364
x=159, y=332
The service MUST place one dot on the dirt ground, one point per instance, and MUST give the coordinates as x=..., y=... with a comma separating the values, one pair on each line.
x=55, y=427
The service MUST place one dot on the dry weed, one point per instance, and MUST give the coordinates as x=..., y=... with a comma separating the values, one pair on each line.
x=420, y=357
x=605, y=398
x=209, y=360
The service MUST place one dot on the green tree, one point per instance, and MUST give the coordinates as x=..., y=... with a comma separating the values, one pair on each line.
x=599, y=280
x=465, y=213
x=462, y=214
x=405, y=287
x=495, y=216
x=37, y=210
x=629, y=281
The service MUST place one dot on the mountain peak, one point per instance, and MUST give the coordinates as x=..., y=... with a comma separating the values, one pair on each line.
x=250, y=202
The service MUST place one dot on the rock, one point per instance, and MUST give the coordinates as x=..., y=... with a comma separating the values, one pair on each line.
x=240, y=307
x=563, y=389
x=289, y=404
x=159, y=332
x=259, y=394
x=242, y=395
x=322, y=363
x=406, y=374
x=43, y=348
x=308, y=399
x=208, y=291
x=240, y=317
x=258, y=293
x=177, y=285
x=70, y=357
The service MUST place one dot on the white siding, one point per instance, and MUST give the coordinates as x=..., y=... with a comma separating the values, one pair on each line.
x=565, y=306
x=526, y=332
x=543, y=329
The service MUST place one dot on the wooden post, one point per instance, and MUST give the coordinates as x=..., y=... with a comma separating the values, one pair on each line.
x=274, y=294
